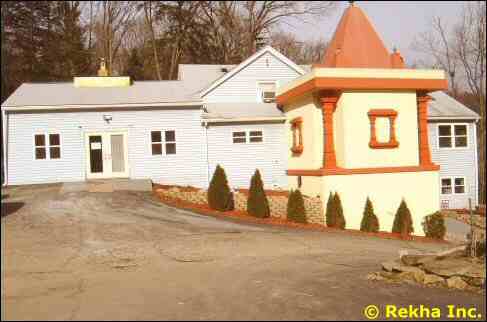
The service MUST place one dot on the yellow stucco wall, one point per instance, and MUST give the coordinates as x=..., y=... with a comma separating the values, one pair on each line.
x=310, y=111
x=105, y=81
x=311, y=186
x=386, y=190
x=352, y=130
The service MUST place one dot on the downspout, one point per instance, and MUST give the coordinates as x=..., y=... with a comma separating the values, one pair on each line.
x=205, y=124
x=476, y=164
x=5, y=147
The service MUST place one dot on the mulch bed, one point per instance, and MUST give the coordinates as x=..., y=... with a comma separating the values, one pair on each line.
x=274, y=221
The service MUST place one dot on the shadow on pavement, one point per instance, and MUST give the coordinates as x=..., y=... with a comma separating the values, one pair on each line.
x=9, y=208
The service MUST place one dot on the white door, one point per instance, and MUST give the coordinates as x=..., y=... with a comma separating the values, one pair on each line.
x=106, y=155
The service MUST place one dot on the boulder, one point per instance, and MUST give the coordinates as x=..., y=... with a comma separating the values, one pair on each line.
x=433, y=280
x=456, y=282
x=475, y=281
x=417, y=260
x=450, y=267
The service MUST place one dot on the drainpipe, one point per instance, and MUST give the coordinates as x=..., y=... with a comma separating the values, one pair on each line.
x=476, y=163
x=205, y=124
x=5, y=147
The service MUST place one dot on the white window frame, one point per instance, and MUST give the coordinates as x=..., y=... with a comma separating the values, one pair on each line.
x=452, y=180
x=452, y=136
x=166, y=142
x=247, y=136
x=47, y=146
x=260, y=93
x=163, y=142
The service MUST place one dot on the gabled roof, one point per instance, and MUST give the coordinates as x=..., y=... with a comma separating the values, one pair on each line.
x=248, y=61
x=444, y=107
x=201, y=76
x=66, y=95
x=356, y=44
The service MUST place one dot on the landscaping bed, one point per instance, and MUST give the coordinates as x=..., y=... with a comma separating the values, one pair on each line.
x=195, y=200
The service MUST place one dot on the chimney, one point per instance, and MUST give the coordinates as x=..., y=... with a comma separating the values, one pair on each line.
x=102, y=72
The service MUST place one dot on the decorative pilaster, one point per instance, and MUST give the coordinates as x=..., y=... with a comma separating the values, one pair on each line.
x=329, y=104
x=424, y=148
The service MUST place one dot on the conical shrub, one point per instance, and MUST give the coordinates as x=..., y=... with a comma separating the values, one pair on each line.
x=370, y=222
x=403, y=222
x=257, y=203
x=220, y=196
x=330, y=212
x=295, y=207
x=434, y=226
x=340, y=218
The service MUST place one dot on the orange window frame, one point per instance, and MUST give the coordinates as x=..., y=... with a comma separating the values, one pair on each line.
x=297, y=132
x=391, y=115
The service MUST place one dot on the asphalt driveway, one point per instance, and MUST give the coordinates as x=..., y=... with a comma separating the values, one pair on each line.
x=122, y=255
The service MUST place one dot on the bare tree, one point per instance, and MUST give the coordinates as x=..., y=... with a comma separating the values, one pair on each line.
x=438, y=45
x=470, y=48
x=301, y=52
x=148, y=8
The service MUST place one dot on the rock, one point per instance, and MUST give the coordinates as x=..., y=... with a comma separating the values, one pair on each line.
x=456, y=282
x=375, y=277
x=411, y=277
x=475, y=281
x=389, y=266
x=453, y=252
x=455, y=267
x=433, y=280
x=417, y=260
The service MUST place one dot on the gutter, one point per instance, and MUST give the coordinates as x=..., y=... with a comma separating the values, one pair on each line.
x=473, y=118
x=97, y=106
x=244, y=119
x=5, y=147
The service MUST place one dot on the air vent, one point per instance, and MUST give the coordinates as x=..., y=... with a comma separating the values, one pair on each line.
x=224, y=70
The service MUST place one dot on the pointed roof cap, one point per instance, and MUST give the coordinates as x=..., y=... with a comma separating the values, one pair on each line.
x=356, y=44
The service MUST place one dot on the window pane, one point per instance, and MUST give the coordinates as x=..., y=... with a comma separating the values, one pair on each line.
x=446, y=182
x=459, y=181
x=459, y=189
x=170, y=148
x=156, y=136
x=255, y=133
x=54, y=139
x=446, y=190
x=55, y=153
x=239, y=137
x=238, y=134
x=445, y=142
x=40, y=140
x=40, y=153
x=461, y=141
x=460, y=130
x=156, y=149
x=170, y=136
x=238, y=140
x=445, y=130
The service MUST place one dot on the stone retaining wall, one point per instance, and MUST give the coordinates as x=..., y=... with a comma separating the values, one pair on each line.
x=277, y=202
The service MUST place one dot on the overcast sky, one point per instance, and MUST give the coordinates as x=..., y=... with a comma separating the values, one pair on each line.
x=397, y=22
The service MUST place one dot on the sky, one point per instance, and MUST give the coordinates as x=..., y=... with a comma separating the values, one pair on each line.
x=397, y=22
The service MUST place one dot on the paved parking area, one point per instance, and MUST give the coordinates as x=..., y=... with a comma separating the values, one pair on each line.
x=75, y=255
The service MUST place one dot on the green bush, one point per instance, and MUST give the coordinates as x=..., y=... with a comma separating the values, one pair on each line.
x=257, y=204
x=220, y=196
x=403, y=222
x=334, y=212
x=330, y=212
x=434, y=226
x=370, y=222
x=295, y=207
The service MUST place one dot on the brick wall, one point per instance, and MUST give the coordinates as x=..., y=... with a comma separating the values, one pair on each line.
x=277, y=202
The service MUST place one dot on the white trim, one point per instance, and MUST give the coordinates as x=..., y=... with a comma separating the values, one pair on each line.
x=452, y=178
x=106, y=146
x=97, y=106
x=472, y=118
x=248, y=61
x=452, y=136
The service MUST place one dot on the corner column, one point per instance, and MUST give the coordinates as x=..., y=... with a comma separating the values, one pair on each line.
x=424, y=148
x=329, y=104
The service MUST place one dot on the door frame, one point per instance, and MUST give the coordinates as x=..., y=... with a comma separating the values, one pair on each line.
x=106, y=155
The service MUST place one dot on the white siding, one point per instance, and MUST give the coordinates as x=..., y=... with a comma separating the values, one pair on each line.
x=242, y=87
x=457, y=163
x=240, y=160
x=186, y=167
